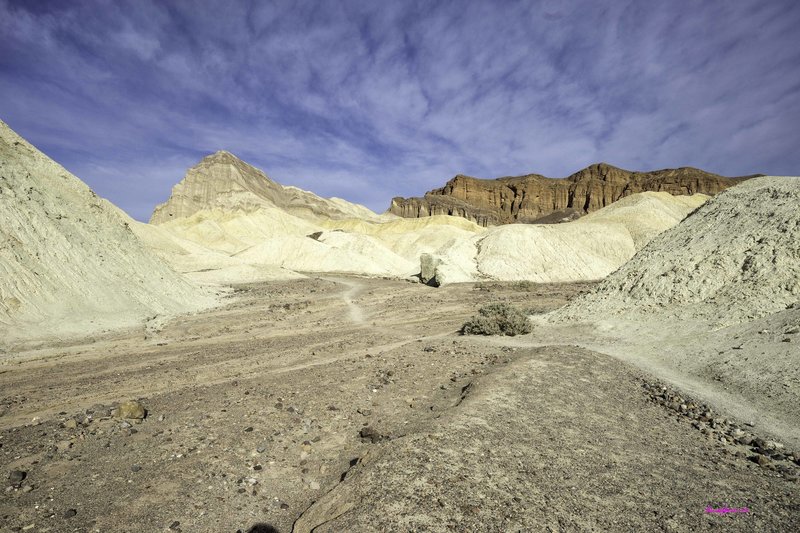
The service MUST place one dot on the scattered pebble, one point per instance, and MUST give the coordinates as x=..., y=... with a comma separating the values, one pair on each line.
x=369, y=434
x=761, y=460
x=17, y=476
x=768, y=454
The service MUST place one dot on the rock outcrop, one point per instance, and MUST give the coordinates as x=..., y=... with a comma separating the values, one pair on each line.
x=534, y=198
x=222, y=180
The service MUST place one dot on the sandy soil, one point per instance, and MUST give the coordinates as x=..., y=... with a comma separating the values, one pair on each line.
x=352, y=404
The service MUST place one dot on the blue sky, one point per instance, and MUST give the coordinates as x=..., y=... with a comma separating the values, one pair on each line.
x=366, y=100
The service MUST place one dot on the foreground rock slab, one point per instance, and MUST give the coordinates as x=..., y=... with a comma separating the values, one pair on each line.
x=561, y=439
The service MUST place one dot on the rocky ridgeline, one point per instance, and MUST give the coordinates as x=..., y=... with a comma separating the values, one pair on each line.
x=536, y=198
x=769, y=454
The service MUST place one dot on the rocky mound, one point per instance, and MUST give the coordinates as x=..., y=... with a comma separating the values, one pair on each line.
x=538, y=199
x=712, y=305
x=222, y=180
x=202, y=263
x=269, y=243
x=736, y=258
x=586, y=249
x=69, y=261
x=227, y=222
x=410, y=238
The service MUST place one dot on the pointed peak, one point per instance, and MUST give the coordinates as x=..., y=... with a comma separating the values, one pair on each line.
x=604, y=166
x=220, y=155
x=223, y=157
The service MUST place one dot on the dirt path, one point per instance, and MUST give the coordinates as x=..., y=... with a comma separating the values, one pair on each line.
x=354, y=289
x=659, y=359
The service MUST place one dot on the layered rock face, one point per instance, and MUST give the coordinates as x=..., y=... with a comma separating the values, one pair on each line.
x=535, y=198
x=222, y=180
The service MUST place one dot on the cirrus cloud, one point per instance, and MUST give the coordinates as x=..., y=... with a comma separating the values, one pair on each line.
x=368, y=100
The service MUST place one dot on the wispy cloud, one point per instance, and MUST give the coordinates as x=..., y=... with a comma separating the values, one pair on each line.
x=367, y=100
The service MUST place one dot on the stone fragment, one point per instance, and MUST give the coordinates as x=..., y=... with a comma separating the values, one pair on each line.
x=369, y=434
x=761, y=460
x=131, y=410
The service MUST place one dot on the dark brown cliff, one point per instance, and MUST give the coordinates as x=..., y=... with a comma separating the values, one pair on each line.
x=536, y=198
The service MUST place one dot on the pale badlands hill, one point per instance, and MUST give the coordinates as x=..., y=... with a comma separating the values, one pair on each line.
x=227, y=246
x=589, y=248
x=737, y=257
x=715, y=299
x=69, y=262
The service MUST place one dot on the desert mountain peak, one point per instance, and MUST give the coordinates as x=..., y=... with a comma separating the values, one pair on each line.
x=222, y=157
x=222, y=180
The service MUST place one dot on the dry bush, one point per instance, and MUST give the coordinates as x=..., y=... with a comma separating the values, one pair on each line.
x=497, y=319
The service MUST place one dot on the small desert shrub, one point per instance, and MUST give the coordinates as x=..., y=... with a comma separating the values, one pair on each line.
x=514, y=286
x=524, y=286
x=497, y=319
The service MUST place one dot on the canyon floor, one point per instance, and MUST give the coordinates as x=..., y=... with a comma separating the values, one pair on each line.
x=353, y=404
